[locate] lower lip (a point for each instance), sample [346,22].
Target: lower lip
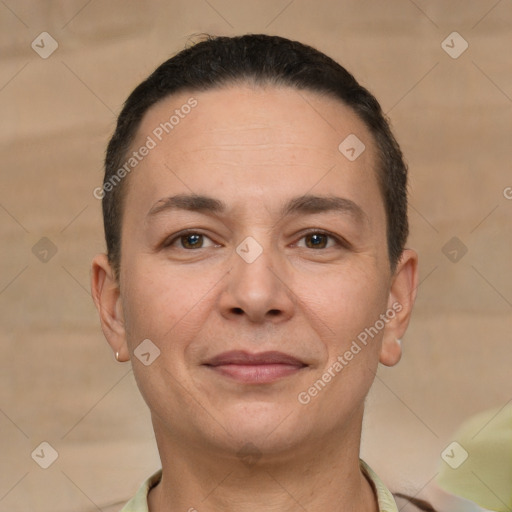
[257,373]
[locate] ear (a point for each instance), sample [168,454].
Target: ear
[107,298]
[402,295]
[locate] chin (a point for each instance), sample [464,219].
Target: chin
[266,427]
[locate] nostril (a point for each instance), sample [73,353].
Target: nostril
[238,311]
[274,312]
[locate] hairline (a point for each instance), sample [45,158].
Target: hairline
[256,82]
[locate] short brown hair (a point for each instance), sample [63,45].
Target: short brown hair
[262,59]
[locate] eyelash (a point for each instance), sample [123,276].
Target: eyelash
[340,242]
[168,242]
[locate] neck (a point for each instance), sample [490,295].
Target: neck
[320,476]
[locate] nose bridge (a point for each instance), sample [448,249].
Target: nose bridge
[255,286]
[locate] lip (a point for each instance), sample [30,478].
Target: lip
[260,368]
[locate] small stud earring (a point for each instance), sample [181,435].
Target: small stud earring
[117,356]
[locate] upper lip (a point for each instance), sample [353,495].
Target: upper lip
[240,357]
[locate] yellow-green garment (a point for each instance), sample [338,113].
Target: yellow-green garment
[386,501]
[485,477]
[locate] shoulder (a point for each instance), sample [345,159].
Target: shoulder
[410,503]
[389,502]
[139,503]
[384,497]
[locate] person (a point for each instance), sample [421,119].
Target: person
[255,215]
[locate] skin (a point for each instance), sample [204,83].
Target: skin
[255,149]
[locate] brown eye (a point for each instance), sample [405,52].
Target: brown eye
[188,240]
[192,241]
[316,240]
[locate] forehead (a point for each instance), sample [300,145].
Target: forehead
[245,140]
[256,113]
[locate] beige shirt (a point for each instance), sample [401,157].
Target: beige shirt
[384,497]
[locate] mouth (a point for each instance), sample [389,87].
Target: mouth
[261,368]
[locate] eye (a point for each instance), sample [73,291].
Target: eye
[318,240]
[190,240]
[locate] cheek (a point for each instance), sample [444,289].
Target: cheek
[345,301]
[168,307]
[164,304]
[344,306]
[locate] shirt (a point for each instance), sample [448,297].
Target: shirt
[384,497]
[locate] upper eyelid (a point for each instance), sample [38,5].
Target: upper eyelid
[337,238]
[169,240]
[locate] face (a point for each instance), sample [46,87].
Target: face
[254,259]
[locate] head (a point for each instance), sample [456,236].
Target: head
[244,230]
[264,60]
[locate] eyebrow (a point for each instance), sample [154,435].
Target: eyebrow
[191,202]
[307,204]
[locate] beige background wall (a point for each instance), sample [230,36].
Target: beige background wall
[59,381]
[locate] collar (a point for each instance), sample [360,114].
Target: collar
[384,497]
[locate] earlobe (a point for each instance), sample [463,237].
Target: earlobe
[106,296]
[401,299]
[391,352]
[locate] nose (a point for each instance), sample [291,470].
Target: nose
[257,291]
